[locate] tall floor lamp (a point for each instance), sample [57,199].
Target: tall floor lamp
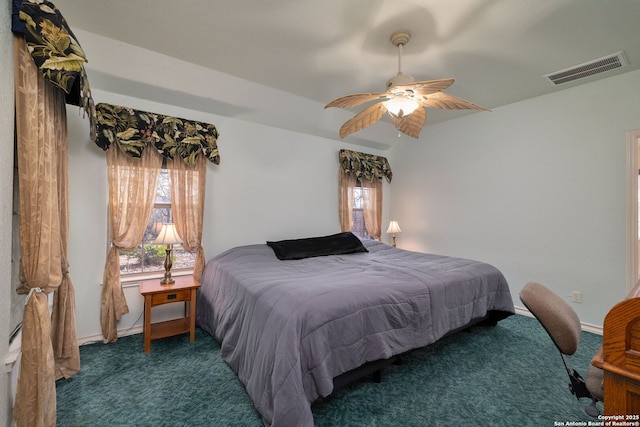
[393,229]
[167,236]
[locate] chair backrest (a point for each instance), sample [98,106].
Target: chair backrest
[555,315]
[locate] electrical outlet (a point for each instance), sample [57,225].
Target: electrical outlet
[576,296]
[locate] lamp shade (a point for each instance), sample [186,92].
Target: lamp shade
[393,227]
[167,235]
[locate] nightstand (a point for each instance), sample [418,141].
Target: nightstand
[184,289]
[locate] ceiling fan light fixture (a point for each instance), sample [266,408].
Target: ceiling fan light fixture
[405,100]
[400,79]
[400,106]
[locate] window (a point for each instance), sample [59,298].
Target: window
[360,193]
[147,257]
[358,228]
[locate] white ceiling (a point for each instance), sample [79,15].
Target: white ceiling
[496,50]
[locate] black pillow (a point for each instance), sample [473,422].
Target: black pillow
[335,244]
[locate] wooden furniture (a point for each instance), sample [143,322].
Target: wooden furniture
[621,360]
[184,289]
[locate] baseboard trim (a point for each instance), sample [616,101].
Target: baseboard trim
[121,333]
[14,349]
[587,327]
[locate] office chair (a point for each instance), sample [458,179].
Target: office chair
[563,326]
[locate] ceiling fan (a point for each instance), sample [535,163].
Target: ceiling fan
[405,100]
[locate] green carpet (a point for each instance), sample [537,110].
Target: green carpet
[508,375]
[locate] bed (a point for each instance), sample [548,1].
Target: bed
[289,327]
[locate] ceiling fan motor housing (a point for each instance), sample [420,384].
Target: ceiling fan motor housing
[400,79]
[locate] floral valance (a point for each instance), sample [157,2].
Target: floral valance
[54,49]
[133,130]
[365,166]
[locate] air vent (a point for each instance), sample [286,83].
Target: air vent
[591,68]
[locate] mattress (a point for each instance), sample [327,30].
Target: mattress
[287,328]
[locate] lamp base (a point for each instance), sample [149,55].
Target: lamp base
[167,268]
[167,281]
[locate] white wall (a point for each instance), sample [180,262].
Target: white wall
[536,188]
[271,184]
[6,196]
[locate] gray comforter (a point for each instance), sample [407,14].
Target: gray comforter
[289,327]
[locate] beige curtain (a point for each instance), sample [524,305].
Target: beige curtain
[372,203]
[132,191]
[35,403]
[372,207]
[41,132]
[187,205]
[64,333]
[63,322]
[346,182]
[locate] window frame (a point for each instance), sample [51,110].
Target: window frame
[137,276]
[361,233]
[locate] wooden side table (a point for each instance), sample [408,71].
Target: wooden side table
[184,289]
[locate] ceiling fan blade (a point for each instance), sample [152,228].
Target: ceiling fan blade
[356,99]
[363,119]
[448,102]
[426,87]
[412,124]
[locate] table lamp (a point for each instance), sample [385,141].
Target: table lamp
[167,236]
[393,229]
